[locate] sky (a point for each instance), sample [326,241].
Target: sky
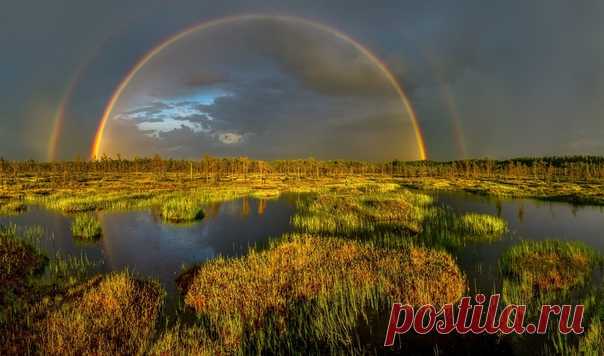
[499,79]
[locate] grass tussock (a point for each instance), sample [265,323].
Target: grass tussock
[86,227]
[544,268]
[115,317]
[360,214]
[383,215]
[309,289]
[181,209]
[481,225]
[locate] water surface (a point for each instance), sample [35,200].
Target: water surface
[528,219]
[140,242]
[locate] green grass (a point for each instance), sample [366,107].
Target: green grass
[351,213]
[481,225]
[86,227]
[186,340]
[381,216]
[545,269]
[12,208]
[526,187]
[117,315]
[362,243]
[20,263]
[308,290]
[181,209]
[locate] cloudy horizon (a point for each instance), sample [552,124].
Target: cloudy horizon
[503,80]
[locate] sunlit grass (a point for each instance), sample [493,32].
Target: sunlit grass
[186,340]
[86,227]
[312,289]
[12,208]
[353,213]
[481,224]
[181,209]
[542,269]
[117,316]
[518,187]
[383,215]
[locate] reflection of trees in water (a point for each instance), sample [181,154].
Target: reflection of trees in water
[521,212]
[212,209]
[261,206]
[245,206]
[498,207]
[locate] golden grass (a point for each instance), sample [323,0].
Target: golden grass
[326,281]
[12,207]
[86,226]
[116,317]
[481,224]
[567,191]
[543,268]
[353,213]
[181,209]
[185,340]
[593,341]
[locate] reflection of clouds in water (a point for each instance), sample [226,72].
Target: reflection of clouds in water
[140,242]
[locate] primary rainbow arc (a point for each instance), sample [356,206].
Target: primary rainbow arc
[98,140]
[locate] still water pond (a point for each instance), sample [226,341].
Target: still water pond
[140,242]
[528,219]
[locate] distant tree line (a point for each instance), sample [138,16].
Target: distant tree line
[575,168]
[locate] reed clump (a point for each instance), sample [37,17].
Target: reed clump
[481,224]
[181,209]
[86,227]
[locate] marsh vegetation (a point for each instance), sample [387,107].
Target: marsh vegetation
[361,241]
[86,226]
[312,291]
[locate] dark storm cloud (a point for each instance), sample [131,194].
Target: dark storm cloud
[201,79]
[318,63]
[526,77]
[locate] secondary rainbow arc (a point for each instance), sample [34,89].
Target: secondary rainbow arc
[98,140]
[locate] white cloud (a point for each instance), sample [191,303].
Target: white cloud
[230,138]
